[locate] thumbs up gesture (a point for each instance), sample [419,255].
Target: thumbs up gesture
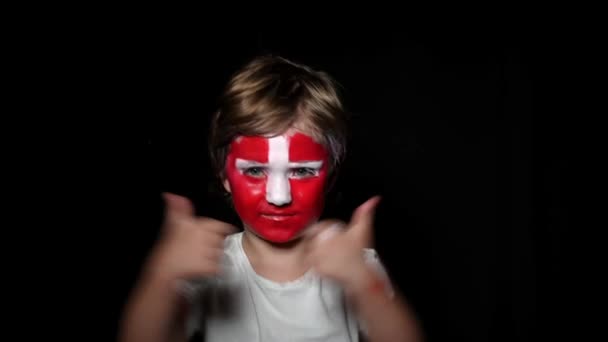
[190,246]
[335,249]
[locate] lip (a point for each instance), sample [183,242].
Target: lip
[278,216]
[277,213]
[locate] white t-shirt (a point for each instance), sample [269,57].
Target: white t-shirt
[243,306]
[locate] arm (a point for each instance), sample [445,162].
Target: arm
[191,247]
[338,254]
[386,316]
[154,313]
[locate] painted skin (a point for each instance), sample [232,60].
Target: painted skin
[277,183]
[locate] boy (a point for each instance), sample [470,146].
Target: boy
[276,143]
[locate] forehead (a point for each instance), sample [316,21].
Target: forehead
[298,146]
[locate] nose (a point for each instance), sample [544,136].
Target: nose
[278,191]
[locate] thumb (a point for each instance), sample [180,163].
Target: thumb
[177,207]
[323,230]
[362,220]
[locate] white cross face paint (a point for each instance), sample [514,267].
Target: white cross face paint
[278,170]
[278,191]
[277,183]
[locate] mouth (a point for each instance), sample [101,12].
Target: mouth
[278,216]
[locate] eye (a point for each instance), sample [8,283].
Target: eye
[254,172]
[304,172]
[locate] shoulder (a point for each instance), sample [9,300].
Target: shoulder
[193,288]
[232,242]
[372,259]
[370,254]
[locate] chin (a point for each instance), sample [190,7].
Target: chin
[279,237]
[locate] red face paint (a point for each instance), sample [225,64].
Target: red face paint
[277,184]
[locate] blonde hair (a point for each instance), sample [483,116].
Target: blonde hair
[270,95]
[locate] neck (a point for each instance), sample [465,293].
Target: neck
[275,261]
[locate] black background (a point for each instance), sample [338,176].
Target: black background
[450,126]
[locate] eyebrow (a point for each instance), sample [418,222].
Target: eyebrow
[244,163]
[308,164]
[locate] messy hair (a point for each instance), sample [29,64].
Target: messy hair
[270,95]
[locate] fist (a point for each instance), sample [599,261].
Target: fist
[190,246]
[335,248]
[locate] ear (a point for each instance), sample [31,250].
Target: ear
[226,185]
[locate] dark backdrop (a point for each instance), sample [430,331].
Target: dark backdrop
[448,126]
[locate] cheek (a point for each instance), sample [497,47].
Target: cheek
[245,191]
[309,194]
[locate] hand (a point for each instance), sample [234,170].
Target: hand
[190,246]
[335,248]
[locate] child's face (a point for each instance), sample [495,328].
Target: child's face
[277,184]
